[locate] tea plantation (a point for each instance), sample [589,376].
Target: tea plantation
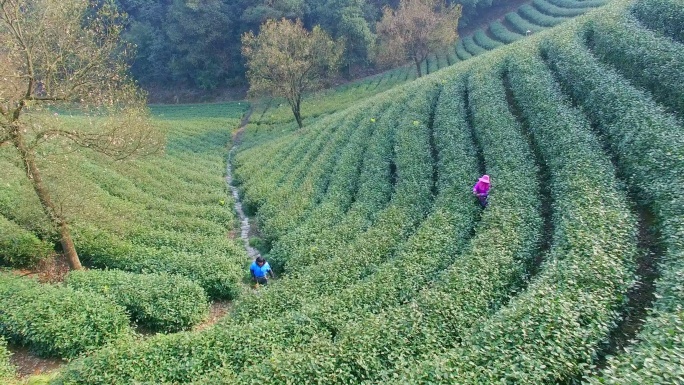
[388,269]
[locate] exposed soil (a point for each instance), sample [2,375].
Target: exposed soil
[217,311]
[28,364]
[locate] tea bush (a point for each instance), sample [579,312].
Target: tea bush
[19,247]
[7,370]
[159,302]
[58,321]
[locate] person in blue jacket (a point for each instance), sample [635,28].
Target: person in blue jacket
[260,271]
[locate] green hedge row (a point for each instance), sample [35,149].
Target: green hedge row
[217,269]
[480,38]
[338,196]
[550,332]
[288,199]
[439,239]
[254,190]
[504,34]
[410,202]
[648,149]
[664,16]
[288,205]
[159,302]
[365,348]
[370,192]
[578,3]
[547,8]
[647,59]
[471,46]
[57,321]
[521,25]
[7,370]
[20,248]
[461,52]
[530,13]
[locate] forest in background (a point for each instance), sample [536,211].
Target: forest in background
[194,45]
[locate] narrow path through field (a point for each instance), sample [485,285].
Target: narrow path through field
[244,220]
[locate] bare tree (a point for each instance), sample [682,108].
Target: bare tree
[416,29]
[66,54]
[286,60]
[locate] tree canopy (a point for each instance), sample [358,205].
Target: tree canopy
[286,60]
[416,29]
[195,44]
[67,55]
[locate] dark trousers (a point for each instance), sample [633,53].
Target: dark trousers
[261,280]
[483,200]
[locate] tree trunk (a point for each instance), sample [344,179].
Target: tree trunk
[296,110]
[415,60]
[32,172]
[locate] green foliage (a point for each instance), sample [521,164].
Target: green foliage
[159,302]
[286,60]
[664,16]
[20,248]
[385,280]
[484,41]
[215,267]
[644,57]
[645,142]
[7,371]
[504,34]
[57,321]
[530,13]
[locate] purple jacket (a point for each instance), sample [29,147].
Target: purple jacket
[481,188]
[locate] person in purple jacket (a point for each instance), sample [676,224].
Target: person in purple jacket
[481,189]
[260,271]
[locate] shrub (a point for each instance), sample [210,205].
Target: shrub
[20,248]
[217,267]
[160,302]
[664,16]
[57,321]
[7,371]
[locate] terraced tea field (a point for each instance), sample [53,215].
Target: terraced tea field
[389,270]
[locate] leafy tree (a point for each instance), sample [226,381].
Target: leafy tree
[200,33]
[286,60]
[66,54]
[347,20]
[416,29]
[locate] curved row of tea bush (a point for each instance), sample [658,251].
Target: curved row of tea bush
[286,206]
[578,3]
[488,270]
[370,193]
[338,195]
[255,190]
[217,269]
[480,38]
[647,59]
[532,15]
[665,16]
[19,247]
[648,147]
[159,302]
[57,321]
[503,34]
[521,25]
[409,204]
[551,331]
[550,9]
